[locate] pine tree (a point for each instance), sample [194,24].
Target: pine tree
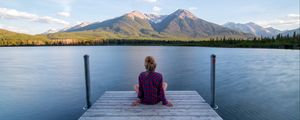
[294,35]
[278,37]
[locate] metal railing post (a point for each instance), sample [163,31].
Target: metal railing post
[213,82]
[87,80]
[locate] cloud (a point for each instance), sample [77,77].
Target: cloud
[192,8]
[288,21]
[63,14]
[156,10]
[66,4]
[294,15]
[150,1]
[14,14]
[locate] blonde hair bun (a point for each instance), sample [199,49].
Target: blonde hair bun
[150,64]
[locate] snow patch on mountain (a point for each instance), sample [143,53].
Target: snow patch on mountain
[155,18]
[253,29]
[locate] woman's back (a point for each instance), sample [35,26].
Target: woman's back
[151,89]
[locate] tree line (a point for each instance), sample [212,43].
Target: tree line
[279,41]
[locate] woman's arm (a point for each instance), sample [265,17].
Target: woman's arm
[162,94]
[140,93]
[161,91]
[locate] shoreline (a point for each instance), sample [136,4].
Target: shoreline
[279,43]
[147,46]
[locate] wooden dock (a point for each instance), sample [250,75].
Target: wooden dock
[116,105]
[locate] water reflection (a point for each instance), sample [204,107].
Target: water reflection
[48,82]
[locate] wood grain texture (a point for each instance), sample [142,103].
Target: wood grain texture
[116,105]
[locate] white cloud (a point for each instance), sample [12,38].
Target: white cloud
[63,14]
[14,14]
[78,22]
[287,22]
[66,4]
[150,1]
[294,15]
[192,8]
[156,10]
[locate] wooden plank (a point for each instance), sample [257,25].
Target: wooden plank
[167,97]
[178,104]
[149,112]
[172,95]
[116,105]
[130,101]
[202,106]
[154,118]
[168,92]
[134,98]
[135,95]
[190,113]
[138,110]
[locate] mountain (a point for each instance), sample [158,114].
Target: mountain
[9,34]
[273,30]
[51,31]
[132,24]
[14,37]
[183,23]
[253,29]
[67,29]
[179,24]
[83,24]
[291,32]
[155,18]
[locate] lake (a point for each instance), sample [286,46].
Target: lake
[47,83]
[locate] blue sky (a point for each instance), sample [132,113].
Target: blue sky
[37,16]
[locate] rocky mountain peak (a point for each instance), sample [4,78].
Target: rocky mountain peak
[182,13]
[82,24]
[136,14]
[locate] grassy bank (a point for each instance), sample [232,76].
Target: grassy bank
[15,39]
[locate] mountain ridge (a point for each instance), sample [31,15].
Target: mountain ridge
[253,28]
[179,24]
[291,32]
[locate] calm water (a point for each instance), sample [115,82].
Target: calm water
[47,83]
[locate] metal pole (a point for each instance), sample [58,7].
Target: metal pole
[87,80]
[213,82]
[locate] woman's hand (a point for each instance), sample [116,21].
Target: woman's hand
[136,102]
[169,104]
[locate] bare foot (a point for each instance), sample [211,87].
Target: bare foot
[169,104]
[136,103]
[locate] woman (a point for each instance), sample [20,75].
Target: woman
[151,88]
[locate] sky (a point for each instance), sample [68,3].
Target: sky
[38,16]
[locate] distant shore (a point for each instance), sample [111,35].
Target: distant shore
[11,39]
[267,43]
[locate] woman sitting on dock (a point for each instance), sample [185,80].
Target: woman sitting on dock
[151,88]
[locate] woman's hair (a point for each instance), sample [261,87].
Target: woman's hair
[150,64]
